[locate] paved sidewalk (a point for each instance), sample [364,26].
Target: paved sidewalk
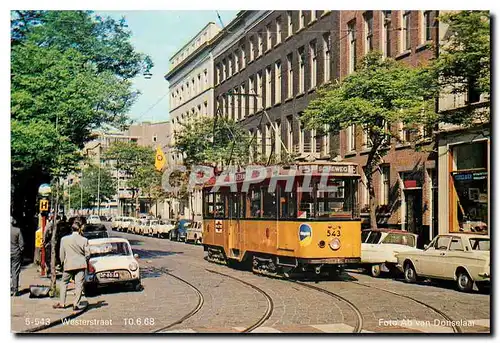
[29,313]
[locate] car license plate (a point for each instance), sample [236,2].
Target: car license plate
[110,275]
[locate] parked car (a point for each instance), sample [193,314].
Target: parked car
[94,219]
[134,225]
[125,224]
[143,227]
[111,262]
[464,258]
[162,228]
[195,232]
[93,231]
[379,248]
[115,223]
[149,227]
[103,218]
[179,233]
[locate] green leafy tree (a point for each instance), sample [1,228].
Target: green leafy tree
[137,162]
[219,142]
[380,93]
[463,65]
[70,74]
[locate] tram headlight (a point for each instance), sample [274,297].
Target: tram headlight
[335,244]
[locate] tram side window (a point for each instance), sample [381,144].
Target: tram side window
[255,196]
[220,209]
[330,204]
[288,204]
[234,205]
[209,205]
[306,207]
[269,204]
[243,205]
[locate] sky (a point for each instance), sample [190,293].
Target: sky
[160,34]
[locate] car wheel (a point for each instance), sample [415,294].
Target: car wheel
[410,273]
[375,270]
[464,281]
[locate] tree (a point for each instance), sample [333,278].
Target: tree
[218,142]
[463,65]
[380,93]
[70,74]
[137,162]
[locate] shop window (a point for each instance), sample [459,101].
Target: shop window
[471,156]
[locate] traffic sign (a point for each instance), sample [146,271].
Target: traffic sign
[44,205]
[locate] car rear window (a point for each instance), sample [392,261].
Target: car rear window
[107,249]
[482,244]
[374,237]
[398,238]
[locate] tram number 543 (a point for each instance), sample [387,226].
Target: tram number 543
[333,232]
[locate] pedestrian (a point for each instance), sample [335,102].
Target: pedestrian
[16,256]
[47,242]
[74,253]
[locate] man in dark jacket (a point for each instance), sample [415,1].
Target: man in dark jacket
[16,257]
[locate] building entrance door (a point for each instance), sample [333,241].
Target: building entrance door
[413,216]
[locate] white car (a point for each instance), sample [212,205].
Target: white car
[464,258]
[94,219]
[162,228]
[125,223]
[379,248]
[195,232]
[111,262]
[148,227]
[115,223]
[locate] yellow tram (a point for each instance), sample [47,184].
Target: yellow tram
[307,220]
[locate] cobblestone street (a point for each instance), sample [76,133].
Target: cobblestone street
[229,305]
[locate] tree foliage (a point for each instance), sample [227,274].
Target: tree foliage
[382,92]
[464,64]
[218,142]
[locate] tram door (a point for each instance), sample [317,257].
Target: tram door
[234,240]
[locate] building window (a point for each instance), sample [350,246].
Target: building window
[236,62]
[259,143]
[243,57]
[230,65]
[313,64]
[205,108]
[289,23]
[313,16]
[217,74]
[289,92]
[205,79]
[224,71]
[237,106]
[302,19]
[302,63]
[268,37]
[259,44]
[351,138]
[223,105]
[427,26]
[326,141]
[278,30]
[155,138]
[268,142]
[367,143]
[351,28]
[326,58]
[268,86]
[406,39]
[259,91]
[385,185]
[251,99]
[368,31]
[469,187]
[243,109]
[289,133]
[386,33]
[277,82]
[404,133]
[252,47]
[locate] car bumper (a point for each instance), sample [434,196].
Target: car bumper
[95,280]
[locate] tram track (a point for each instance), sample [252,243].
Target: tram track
[270,304]
[455,328]
[196,309]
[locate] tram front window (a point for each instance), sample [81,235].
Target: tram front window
[336,201]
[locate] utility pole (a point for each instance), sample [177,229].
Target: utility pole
[99,183]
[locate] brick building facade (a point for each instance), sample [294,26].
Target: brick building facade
[283,56]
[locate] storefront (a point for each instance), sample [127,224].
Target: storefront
[464,182]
